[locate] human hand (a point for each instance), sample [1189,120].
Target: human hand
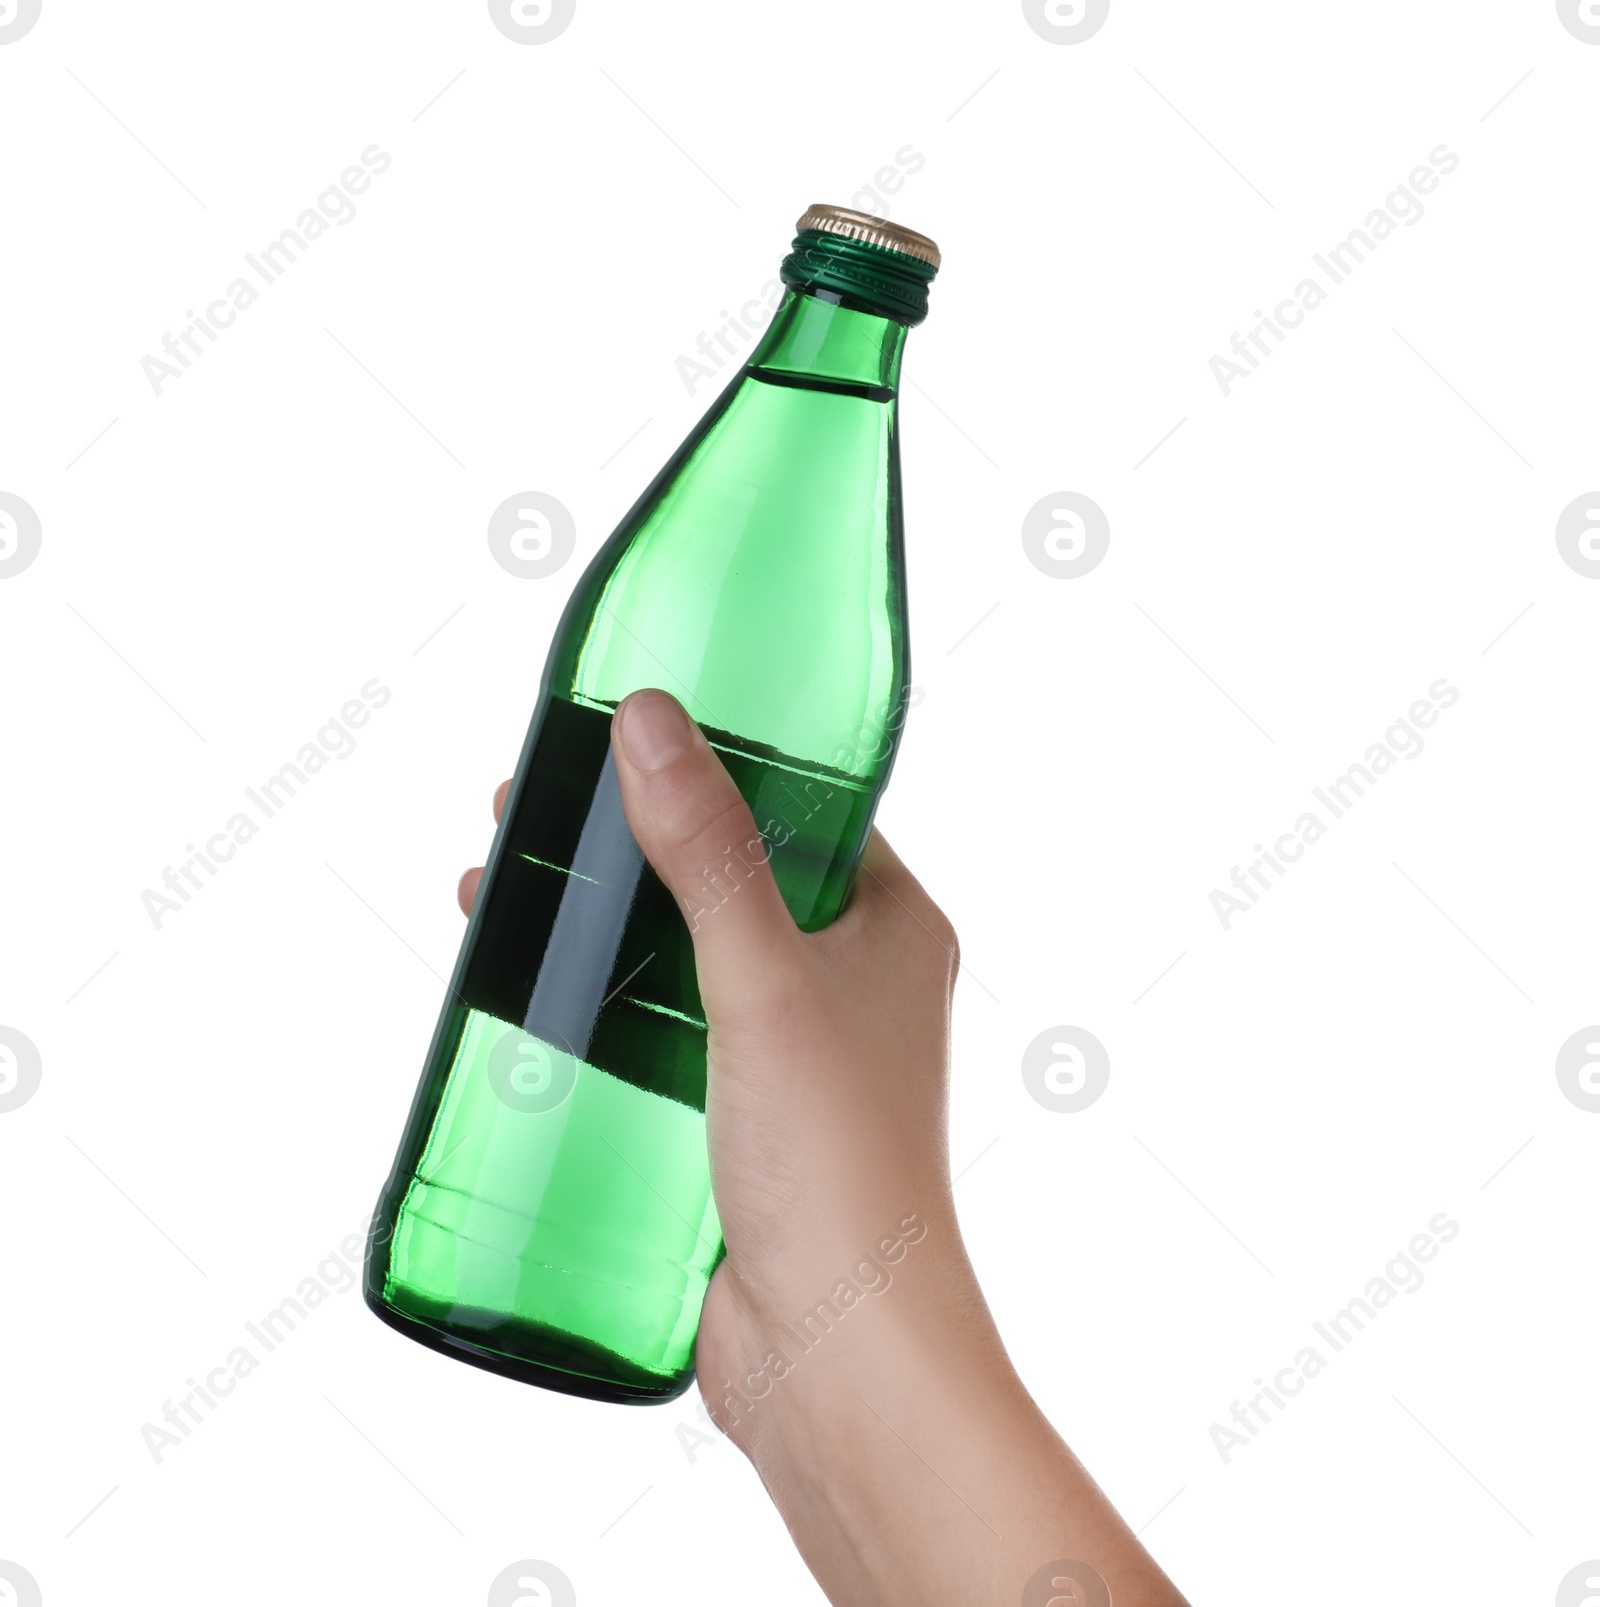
[873,1422]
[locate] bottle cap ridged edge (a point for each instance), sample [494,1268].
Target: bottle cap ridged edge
[841,220]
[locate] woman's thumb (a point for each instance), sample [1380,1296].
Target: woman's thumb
[701,839]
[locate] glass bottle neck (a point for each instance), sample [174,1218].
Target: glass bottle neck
[814,334]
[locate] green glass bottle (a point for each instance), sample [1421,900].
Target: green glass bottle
[549,1215]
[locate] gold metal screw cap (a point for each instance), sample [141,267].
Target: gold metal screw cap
[841,220]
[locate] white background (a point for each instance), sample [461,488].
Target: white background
[1290,569]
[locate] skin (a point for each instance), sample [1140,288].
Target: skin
[904,1454]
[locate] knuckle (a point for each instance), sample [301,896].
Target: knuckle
[943,932]
[713,838]
[933,920]
[714,853]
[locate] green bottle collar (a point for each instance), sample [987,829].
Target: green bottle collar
[867,277]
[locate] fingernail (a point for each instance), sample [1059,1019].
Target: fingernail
[654,730]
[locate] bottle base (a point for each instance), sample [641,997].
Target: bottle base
[569,1365]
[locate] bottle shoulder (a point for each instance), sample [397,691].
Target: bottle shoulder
[760,578]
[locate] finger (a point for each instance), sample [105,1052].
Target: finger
[467,889]
[698,834]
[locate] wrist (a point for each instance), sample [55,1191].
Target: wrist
[902,1420]
[805,1366]
[895,1437]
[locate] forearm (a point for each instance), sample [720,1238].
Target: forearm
[912,1467]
